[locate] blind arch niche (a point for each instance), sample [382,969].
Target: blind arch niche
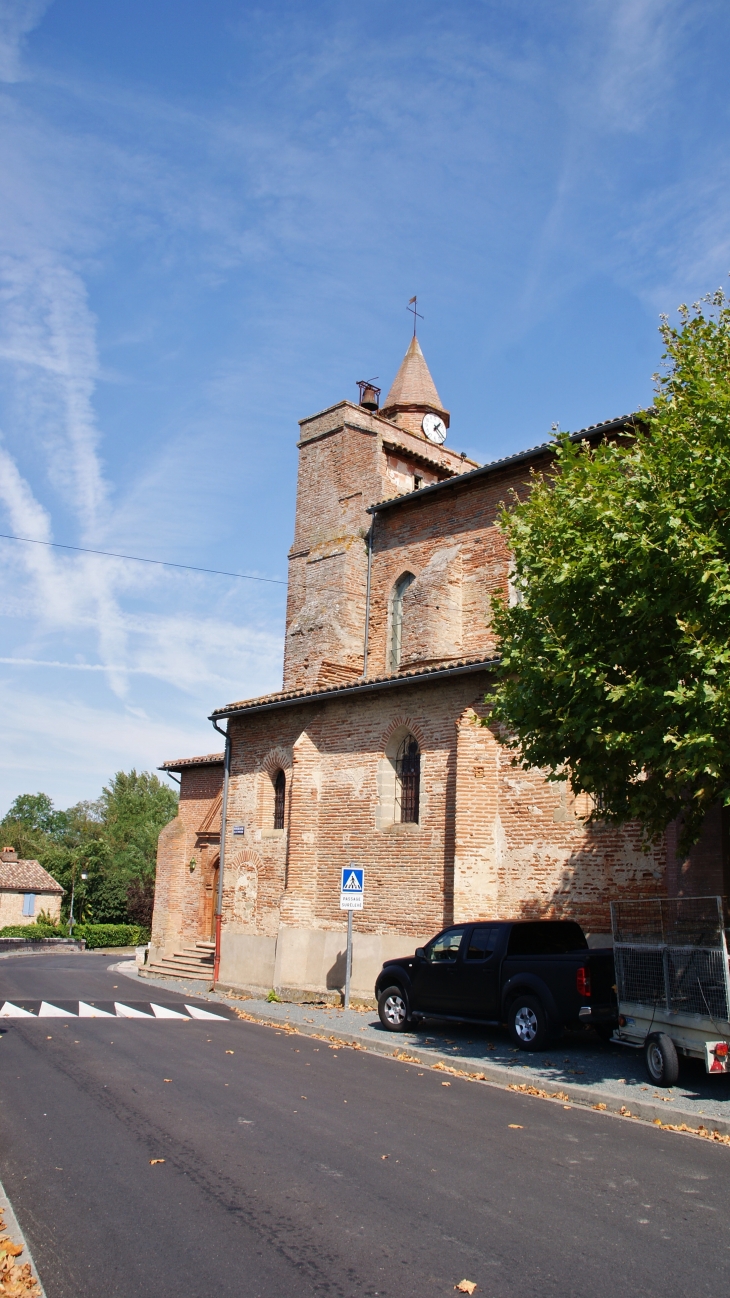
[395,648]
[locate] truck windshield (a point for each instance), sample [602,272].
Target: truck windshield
[546,937]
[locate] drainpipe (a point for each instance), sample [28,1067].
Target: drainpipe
[222,856]
[367,601]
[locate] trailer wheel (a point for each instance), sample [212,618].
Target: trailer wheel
[661,1060]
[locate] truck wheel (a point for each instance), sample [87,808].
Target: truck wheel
[393,1009]
[528,1023]
[661,1060]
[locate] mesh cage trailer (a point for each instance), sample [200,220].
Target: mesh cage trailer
[673,981]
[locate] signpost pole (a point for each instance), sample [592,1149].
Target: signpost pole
[348,966]
[352,887]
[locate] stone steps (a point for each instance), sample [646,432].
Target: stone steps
[192,962]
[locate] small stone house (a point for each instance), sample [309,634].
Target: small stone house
[26,889]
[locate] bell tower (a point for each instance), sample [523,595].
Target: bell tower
[351,456]
[413,395]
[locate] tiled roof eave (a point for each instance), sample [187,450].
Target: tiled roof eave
[509,461]
[292,697]
[184,763]
[28,875]
[38,889]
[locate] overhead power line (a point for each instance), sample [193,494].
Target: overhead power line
[136,558]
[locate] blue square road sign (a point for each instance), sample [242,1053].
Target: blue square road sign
[352,887]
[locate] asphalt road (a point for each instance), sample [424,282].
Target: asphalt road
[291,1168]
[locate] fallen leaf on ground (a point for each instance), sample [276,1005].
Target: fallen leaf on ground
[156,1160]
[446,1083]
[167,1079]
[465,1286]
[385,1155]
[229,1052]
[599,1106]
[515,1126]
[7,1246]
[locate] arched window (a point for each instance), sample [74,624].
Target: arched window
[279,799]
[396,618]
[407,780]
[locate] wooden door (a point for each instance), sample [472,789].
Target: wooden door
[211,893]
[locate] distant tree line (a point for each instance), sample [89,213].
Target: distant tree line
[113,841]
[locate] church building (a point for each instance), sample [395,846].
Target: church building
[374,751]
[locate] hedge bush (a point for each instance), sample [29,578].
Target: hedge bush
[33,932]
[112,934]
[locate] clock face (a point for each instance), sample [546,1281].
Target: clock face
[434,428]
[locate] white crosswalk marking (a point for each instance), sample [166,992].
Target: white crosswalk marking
[162,1012]
[151,1011]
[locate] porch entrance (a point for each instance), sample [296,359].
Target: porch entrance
[209,900]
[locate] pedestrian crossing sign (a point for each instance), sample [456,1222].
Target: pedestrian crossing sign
[352,887]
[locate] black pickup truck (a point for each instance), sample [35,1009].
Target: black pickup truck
[538,976]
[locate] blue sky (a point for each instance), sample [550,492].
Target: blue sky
[213,217]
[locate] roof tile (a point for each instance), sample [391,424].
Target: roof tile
[26,876]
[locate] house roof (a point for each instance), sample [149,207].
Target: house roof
[287,698]
[26,876]
[591,433]
[182,763]
[413,385]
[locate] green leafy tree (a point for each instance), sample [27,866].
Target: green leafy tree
[135,807]
[112,841]
[616,655]
[30,823]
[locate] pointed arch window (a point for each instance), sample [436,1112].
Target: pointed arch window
[407,781]
[396,618]
[279,799]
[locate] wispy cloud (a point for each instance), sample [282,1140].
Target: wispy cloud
[17,19]
[189,262]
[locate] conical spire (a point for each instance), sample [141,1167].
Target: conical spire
[413,391]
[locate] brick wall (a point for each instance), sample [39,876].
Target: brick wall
[348,460]
[492,840]
[184,897]
[451,543]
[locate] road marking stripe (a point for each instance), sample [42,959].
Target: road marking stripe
[49,1011]
[162,1012]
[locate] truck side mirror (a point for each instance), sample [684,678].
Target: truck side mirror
[420,953]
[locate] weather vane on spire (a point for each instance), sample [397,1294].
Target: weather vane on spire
[413,308]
